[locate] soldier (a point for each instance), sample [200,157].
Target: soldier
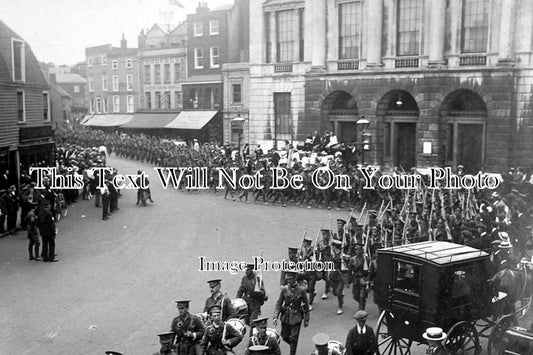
[188,330]
[262,343]
[307,253]
[252,290]
[343,235]
[358,273]
[321,344]
[219,337]
[219,299]
[293,256]
[292,308]
[324,255]
[340,276]
[361,339]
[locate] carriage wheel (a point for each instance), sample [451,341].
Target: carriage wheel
[462,339]
[388,342]
[496,344]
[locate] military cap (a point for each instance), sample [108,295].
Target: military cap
[504,244]
[460,166]
[293,250]
[250,265]
[184,303]
[321,339]
[336,242]
[360,315]
[164,338]
[215,309]
[214,282]
[307,240]
[260,321]
[342,221]
[503,235]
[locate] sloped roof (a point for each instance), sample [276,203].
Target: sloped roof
[70,79]
[60,90]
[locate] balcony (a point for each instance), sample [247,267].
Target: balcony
[348,65]
[283,68]
[407,62]
[472,60]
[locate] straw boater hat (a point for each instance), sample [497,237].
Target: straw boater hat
[434,333]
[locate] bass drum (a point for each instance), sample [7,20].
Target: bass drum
[238,325]
[241,308]
[272,333]
[336,348]
[204,317]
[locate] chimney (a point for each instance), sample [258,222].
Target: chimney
[123,42]
[202,8]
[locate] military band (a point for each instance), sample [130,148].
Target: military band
[252,291]
[217,298]
[219,337]
[262,342]
[188,330]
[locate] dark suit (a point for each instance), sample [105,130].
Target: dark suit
[361,344]
[47,228]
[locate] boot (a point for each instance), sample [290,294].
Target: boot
[293,348]
[30,251]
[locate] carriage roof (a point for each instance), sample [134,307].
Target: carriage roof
[438,253]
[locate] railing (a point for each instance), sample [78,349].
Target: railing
[472,60]
[407,62]
[348,65]
[282,68]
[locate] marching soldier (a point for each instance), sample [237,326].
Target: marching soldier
[219,299]
[342,235]
[340,276]
[219,337]
[321,344]
[358,273]
[306,252]
[188,330]
[252,290]
[324,255]
[293,256]
[292,308]
[262,343]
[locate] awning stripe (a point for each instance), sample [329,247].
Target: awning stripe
[192,119]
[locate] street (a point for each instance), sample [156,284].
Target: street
[116,281]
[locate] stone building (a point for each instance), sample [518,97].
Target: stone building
[442,82]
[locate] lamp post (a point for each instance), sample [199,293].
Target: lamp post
[363,124]
[238,125]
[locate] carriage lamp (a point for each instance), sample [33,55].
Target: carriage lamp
[363,124]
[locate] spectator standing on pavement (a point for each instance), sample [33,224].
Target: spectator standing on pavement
[33,235]
[47,228]
[104,191]
[361,339]
[12,208]
[2,212]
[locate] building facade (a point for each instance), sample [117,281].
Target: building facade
[441,82]
[26,137]
[76,87]
[112,79]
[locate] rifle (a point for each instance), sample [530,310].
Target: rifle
[300,252]
[260,276]
[316,243]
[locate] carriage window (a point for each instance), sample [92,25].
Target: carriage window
[462,283]
[407,277]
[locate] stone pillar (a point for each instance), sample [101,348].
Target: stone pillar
[375,30]
[508,21]
[318,30]
[436,33]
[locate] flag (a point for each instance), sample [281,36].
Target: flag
[175,3]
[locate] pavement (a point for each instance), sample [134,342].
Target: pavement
[116,281]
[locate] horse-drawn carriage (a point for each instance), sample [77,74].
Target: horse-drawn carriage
[438,284]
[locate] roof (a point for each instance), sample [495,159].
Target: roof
[150,120]
[70,79]
[440,253]
[109,120]
[191,119]
[61,91]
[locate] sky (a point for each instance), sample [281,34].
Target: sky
[58,31]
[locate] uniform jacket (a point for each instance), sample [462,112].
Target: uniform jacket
[292,305]
[223,301]
[361,344]
[247,291]
[181,325]
[212,340]
[273,346]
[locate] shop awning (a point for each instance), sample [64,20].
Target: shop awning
[108,120]
[192,119]
[150,120]
[86,118]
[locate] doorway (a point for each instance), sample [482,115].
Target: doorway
[405,149]
[469,147]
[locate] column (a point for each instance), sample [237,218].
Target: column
[436,33]
[375,30]
[318,30]
[508,20]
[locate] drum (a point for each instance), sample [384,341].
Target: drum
[204,317]
[240,306]
[336,348]
[272,333]
[238,325]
